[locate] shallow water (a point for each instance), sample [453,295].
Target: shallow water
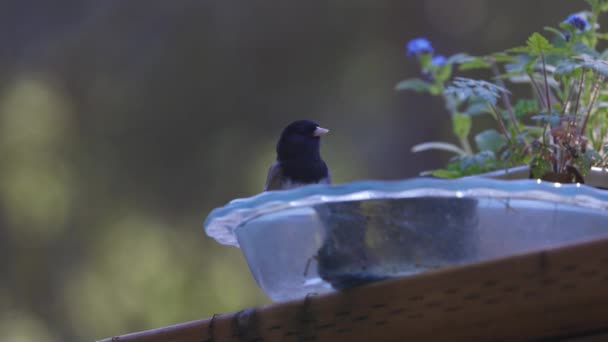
[347,243]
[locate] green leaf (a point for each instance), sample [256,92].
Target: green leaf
[552,119]
[461,124]
[534,130]
[555,31]
[502,57]
[540,167]
[490,140]
[438,145]
[475,63]
[519,49]
[581,48]
[481,162]
[525,106]
[521,65]
[466,89]
[443,74]
[521,136]
[538,44]
[414,84]
[596,64]
[443,173]
[566,67]
[593,3]
[477,106]
[459,58]
[478,163]
[436,89]
[568,27]
[587,160]
[425,60]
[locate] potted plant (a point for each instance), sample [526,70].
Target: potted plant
[350,234]
[558,134]
[560,131]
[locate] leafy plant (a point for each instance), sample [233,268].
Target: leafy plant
[561,131]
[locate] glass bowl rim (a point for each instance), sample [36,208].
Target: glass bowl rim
[222,222]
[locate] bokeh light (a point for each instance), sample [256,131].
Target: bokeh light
[122,124]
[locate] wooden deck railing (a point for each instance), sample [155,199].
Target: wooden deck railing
[546,295]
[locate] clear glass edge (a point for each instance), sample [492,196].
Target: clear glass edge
[221,222]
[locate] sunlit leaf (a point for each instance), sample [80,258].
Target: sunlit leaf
[476,63]
[502,57]
[461,124]
[443,173]
[538,44]
[444,73]
[414,84]
[438,145]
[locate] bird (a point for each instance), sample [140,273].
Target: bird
[298,161]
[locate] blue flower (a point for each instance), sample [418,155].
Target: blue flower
[578,21]
[438,60]
[419,45]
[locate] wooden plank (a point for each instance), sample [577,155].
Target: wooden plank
[556,292]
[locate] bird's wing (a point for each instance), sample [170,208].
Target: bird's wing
[326,179]
[274,181]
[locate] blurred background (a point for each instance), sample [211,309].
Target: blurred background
[123,123]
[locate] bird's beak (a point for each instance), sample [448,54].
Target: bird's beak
[320,131]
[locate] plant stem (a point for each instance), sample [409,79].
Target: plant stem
[580,91]
[542,58]
[466,146]
[594,95]
[603,162]
[568,102]
[507,102]
[602,136]
[545,134]
[505,97]
[501,124]
[539,94]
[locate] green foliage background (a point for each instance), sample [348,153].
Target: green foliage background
[123,123]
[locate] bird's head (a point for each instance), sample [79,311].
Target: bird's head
[300,139]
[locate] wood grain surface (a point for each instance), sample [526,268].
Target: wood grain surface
[549,295]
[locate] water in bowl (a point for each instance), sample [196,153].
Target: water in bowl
[337,245]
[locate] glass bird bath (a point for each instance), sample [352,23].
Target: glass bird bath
[321,238]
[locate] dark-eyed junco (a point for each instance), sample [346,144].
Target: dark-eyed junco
[298,157]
